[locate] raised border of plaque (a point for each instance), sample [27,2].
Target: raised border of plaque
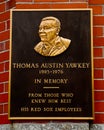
[51,64]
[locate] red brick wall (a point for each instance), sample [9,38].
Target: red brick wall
[98,28]
[4,59]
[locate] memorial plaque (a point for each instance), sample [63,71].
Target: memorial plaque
[51,65]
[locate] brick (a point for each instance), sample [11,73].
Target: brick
[4,77]
[6,66]
[7,45]
[96,1]
[4,35]
[4,56]
[2,0]
[99,84]
[33,6]
[4,119]
[3,98]
[6,87]
[98,20]
[96,9]
[97,31]
[5,108]
[2,26]
[99,95]
[99,106]
[78,0]
[2,46]
[98,52]
[10,4]
[8,24]
[99,118]
[74,5]
[99,41]
[1,88]
[98,74]
[1,67]
[44,6]
[24,0]
[2,7]
[99,63]
[1,109]
[4,16]
[51,0]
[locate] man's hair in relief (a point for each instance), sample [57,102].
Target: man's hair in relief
[57,22]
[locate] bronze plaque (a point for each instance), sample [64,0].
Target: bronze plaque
[51,67]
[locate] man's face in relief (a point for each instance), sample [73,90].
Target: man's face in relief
[47,30]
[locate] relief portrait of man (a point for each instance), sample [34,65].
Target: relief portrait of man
[51,43]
